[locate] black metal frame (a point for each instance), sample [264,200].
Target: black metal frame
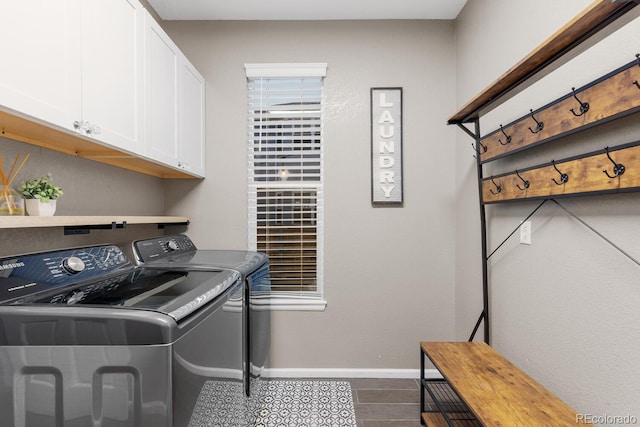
[72,230]
[484,316]
[445,398]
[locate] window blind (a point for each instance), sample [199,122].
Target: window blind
[285,156]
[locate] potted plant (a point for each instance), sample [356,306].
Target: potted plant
[40,196]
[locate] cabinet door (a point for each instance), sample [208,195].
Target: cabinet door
[40,72]
[192,126]
[162,60]
[112,72]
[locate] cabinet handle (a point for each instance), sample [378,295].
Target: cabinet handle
[86,127]
[80,125]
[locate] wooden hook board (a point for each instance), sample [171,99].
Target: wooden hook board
[585,176]
[612,96]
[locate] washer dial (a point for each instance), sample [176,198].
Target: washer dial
[73,265]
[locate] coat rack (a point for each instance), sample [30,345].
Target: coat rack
[612,96]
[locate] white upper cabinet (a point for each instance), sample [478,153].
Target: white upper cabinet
[76,64]
[175,104]
[40,73]
[106,70]
[192,120]
[113,72]
[162,60]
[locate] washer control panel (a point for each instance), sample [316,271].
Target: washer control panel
[26,275]
[164,248]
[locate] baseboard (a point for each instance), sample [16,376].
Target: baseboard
[347,373]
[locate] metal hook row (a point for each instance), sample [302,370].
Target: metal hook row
[539,125]
[618,170]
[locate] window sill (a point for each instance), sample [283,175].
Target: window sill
[296,304]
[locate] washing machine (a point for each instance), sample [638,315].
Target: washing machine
[87,338]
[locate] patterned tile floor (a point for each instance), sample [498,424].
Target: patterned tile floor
[308,403]
[382,402]
[313,402]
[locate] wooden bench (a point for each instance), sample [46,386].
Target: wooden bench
[494,391]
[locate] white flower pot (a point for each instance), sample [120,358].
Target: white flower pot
[36,207]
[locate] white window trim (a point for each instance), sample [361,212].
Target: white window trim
[286,70]
[315,301]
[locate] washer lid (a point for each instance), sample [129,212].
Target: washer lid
[176,293]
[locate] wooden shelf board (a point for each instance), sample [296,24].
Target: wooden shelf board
[18,128]
[78,221]
[594,18]
[434,419]
[496,391]
[585,174]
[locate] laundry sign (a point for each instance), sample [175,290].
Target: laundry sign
[386,145]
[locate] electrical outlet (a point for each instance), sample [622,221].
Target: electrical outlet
[525,233]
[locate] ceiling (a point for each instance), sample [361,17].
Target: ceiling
[306,9]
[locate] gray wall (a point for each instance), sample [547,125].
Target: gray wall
[564,309]
[90,188]
[388,271]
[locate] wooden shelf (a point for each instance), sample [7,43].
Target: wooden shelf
[86,221]
[434,419]
[495,390]
[599,15]
[21,129]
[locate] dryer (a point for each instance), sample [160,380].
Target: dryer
[180,251]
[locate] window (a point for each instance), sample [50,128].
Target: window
[285,156]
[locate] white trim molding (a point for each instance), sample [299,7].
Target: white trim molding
[297,304]
[286,70]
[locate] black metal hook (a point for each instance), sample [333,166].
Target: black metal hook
[508,140]
[564,178]
[484,147]
[498,187]
[618,168]
[539,125]
[584,106]
[524,181]
[635,82]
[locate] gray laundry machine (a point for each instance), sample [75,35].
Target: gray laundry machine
[88,339]
[179,250]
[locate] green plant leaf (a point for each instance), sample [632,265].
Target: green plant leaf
[40,188]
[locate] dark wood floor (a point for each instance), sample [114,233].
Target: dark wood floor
[386,402]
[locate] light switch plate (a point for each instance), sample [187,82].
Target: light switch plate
[525,233]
